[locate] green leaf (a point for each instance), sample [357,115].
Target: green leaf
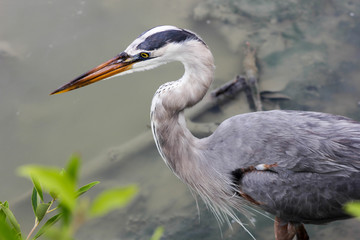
[10,216]
[353,208]
[58,234]
[159,231]
[52,180]
[86,188]
[41,210]
[53,195]
[2,215]
[37,187]
[112,199]
[72,168]
[47,225]
[34,199]
[7,232]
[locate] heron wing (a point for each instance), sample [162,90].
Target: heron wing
[317,157]
[297,141]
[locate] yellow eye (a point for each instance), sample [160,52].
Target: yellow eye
[144,55]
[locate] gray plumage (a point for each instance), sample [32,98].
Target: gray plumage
[318,158]
[300,166]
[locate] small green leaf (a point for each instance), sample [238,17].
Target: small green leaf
[159,231]
[6,231]
[53,195]
[47,225]
[34,199]
[10,216]
[112,199]
[72,168]
[86,188]
[353,208]
[41,210]
[2,215]
[37,187]
[54,181]
[58,234]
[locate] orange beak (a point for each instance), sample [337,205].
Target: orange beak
[118,64]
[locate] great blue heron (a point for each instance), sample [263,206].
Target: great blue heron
[300,166]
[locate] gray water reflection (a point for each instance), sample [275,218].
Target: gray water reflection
[308,50]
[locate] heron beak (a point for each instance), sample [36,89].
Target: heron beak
[106,70]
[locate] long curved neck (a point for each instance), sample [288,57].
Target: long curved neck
[175,142]
[184,154]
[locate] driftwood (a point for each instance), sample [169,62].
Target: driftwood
[251,73]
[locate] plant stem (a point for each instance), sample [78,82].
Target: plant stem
[51,203]
[51,210]
[33,229]
[37,222]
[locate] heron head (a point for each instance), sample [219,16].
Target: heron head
[151,49]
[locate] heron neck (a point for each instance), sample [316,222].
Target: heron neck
[176,144]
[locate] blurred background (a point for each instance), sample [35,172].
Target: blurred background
[307,50]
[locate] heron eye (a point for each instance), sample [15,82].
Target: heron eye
[144,55]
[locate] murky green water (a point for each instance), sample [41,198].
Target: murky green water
[309,50]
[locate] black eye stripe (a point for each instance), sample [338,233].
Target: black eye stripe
[160,39]
[123,55]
